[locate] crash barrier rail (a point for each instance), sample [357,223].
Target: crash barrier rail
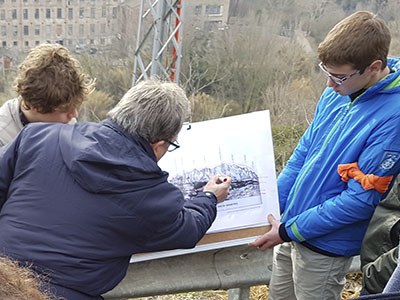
[235,269]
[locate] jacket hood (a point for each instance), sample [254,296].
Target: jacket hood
[102,158]
[392,81]
[388,85]
[393,63]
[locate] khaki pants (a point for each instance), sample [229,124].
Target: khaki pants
[301,274]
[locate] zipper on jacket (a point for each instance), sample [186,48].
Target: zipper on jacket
[296,187]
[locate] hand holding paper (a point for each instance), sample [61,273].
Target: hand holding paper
[270,238]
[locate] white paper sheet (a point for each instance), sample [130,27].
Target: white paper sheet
[238,146]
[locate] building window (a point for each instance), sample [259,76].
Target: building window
[70,30]
[102,41]
[81,12]
[37,29]
[92,29]
[214,10]
[25,14]
[26,44]
[26,30]
[4,44]
[103,28]
[15,30]
[14,14]
[2,14]
[211,26]
[37,13]
[48,30]
[37,43]
[81,29]
[3,30]
[15,43]
[48,13]
[59,13]
[197,10]
[93,12]
[103,12]
[114,12]
[1,1]
[59,30]
[70,13]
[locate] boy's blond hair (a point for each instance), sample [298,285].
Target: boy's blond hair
[357,40]
[50,78]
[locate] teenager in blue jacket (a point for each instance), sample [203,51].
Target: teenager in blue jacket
[343,166]
[78,200]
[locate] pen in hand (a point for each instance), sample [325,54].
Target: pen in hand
[222,179]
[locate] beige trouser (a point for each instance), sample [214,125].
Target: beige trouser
[301,274]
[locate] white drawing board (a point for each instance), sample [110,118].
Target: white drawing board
[238,146]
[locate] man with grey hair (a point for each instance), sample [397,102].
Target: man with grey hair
[78,200]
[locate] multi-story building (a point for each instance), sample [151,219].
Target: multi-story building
[206,15]
[74,23]
[91,24]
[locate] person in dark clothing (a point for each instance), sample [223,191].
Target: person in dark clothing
[380,247]
[77,200]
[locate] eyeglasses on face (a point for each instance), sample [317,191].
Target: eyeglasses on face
[172,146]
[339,80]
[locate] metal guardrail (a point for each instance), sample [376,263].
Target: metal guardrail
[235,269]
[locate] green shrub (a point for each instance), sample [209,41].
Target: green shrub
[285,139]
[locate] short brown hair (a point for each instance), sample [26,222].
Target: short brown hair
[357,40]
[50,78]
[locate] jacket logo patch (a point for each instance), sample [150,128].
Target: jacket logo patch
[389,160]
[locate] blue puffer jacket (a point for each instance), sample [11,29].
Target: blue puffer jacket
[320,209]
[80,199]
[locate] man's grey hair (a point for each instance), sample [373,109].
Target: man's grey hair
[152,109]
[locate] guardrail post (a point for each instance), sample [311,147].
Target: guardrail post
[239,294]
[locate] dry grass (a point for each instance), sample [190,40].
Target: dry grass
[352,290]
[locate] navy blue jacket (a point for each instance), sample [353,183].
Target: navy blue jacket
[78,200]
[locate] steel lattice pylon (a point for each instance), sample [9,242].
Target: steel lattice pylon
[159,40]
